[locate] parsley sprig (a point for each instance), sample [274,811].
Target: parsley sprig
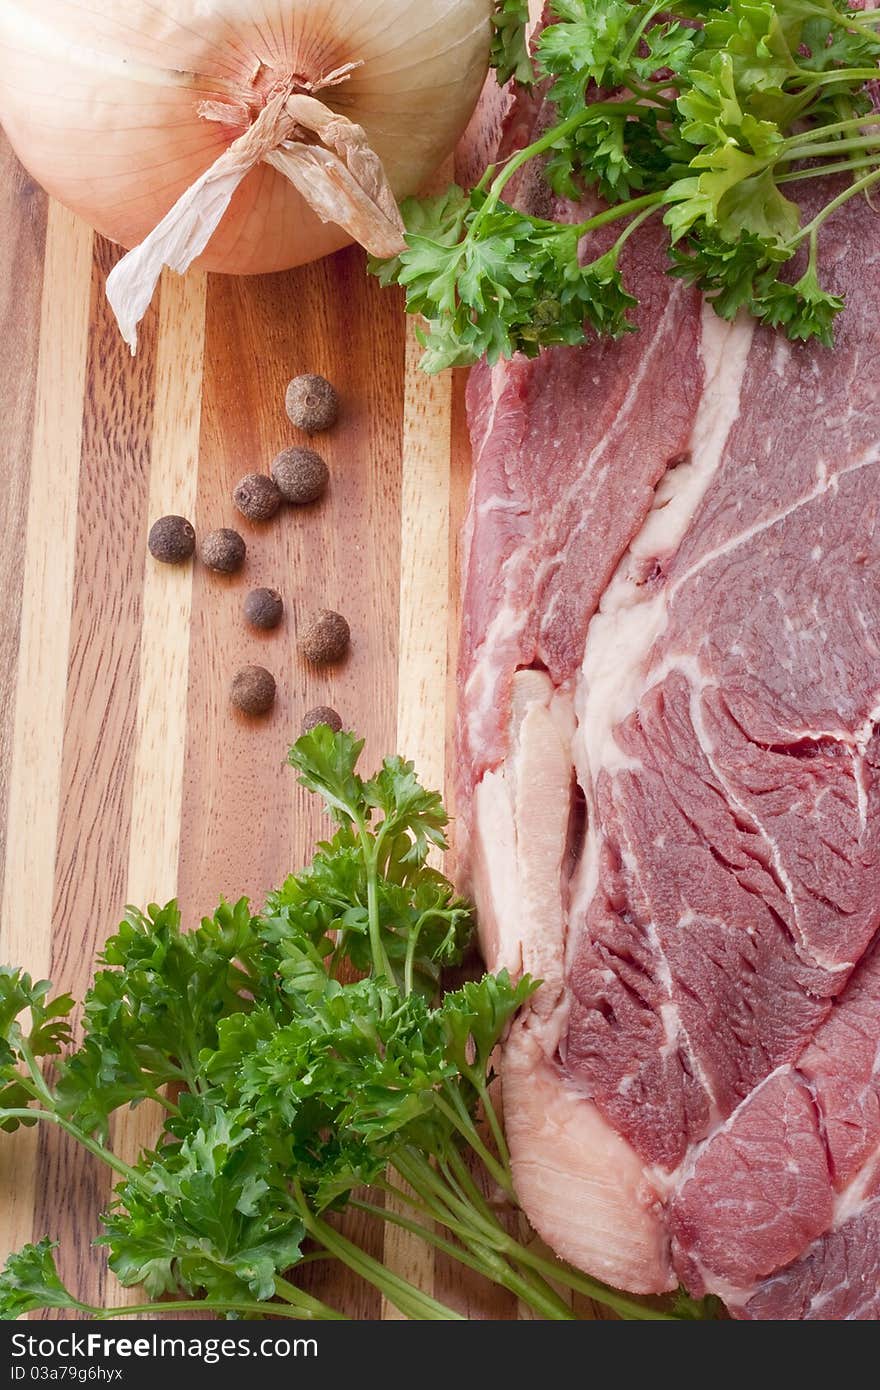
[707,113]
[303,1062]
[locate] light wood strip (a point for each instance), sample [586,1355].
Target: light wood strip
[157,792]
[157,796]
[422,647]
[41,689]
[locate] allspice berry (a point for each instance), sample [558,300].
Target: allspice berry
[257,497]
[223,550]
[171,540]
[253,690]
[321,714]
[312,403]
[300,475]
[263,608]
[326,638]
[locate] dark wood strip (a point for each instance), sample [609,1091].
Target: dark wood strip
[245,822]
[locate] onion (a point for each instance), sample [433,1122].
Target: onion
[249,135]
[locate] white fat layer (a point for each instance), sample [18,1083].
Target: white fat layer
[851,1201]
[632,615]
[865,732]
[480,689]
[521,814]
[825,482]
[493,853]
[583,1186]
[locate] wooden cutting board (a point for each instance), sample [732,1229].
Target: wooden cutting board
[125,776]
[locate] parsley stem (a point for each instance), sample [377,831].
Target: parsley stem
[601,219]
[627,1308]
[471,1216]
[857,187]
[556,1270]
[483,1226]
[410,1301]
[493,1122]
[497,175]
[827,79]
[831,147]
[639,30]
[370,848]
[438,1210]
[437,1191]
[473,1193]
[259,1310]
[540,1297]
[105,1155]
[418,1228]
[842,166]
[851,123]
[411,943]
[38,1087]
[653,92]
[486,1240]
[458,1116]
[298,1298]
[538,147]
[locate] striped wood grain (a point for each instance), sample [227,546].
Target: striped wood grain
[34,789]
[125,774]
[421,652]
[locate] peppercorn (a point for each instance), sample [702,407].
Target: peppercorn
[263,608]
[326,638]
[312,403]
[223,550]
[300,475]
[171,540]
[257,497]
[321,714]
[253,690]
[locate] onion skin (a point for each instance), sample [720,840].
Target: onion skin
[100,102]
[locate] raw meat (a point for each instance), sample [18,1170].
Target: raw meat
[669,695]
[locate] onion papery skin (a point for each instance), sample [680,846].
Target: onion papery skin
[100,101]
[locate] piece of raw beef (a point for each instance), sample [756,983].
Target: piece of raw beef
[669,694]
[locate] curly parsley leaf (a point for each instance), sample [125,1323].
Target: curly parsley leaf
[30,1282]
[152,1011]
[476,1017]
[210,1215]
[509,55]
[21,1046]
[49,1030]
[513,283]
[606,45]
[803,309]
[700,111]
[369,895]
[326,765]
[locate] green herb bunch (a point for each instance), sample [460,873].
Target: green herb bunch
[303,1063]
[711,114]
